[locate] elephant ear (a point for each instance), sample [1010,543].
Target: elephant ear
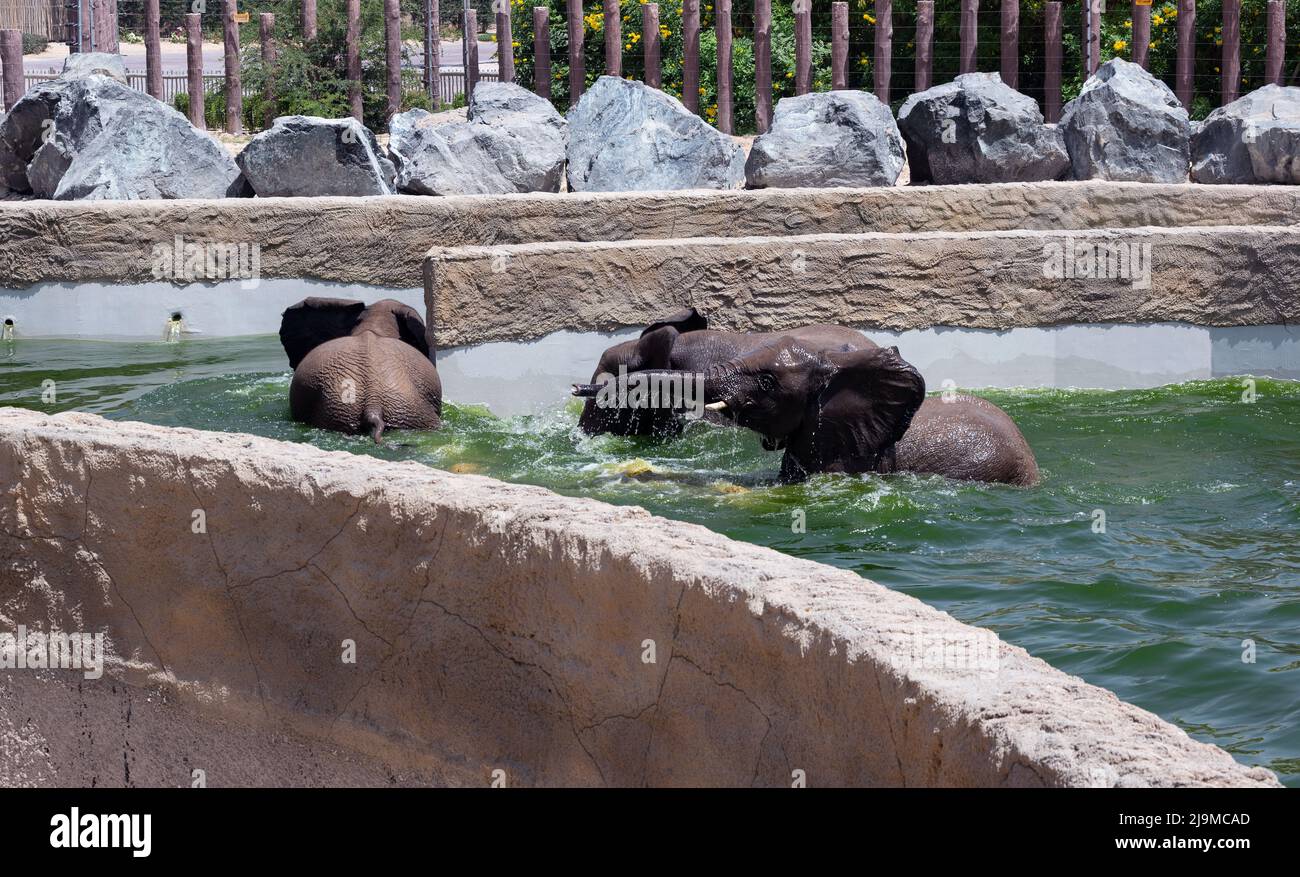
[410,328]
[313,321]
[868,402]
[654,349]
[688,320]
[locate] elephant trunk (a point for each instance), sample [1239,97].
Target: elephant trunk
[373,421]
[670,387]
[717,380]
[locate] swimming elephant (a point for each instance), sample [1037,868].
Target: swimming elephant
[360,369]
[683,342]
[856,407]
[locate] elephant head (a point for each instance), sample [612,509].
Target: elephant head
[360,369]
[652,351]
[831,411]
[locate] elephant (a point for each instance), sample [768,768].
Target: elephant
[361,369]
[683,342]
[840,403]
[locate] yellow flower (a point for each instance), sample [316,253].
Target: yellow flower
[515,44]
[1156,20]
[1120,45]
[1154,43]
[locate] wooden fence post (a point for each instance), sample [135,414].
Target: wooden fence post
[266,33]
[969,36]
[542,51]
[1141,33]
[1183,84]
[1231,64]
[432,53]
[883,61]
[234,91]
[690,55]
[194,67]
[11,63]
[1011,42]
[651,44]
[839,46]
[802,46]
[762,65]
[1052,61]
[393,54]
[471,61]
[924,44]
[309,20]
[152,50]
[577,64]
[722,26]
[1276,54]
[613,27]
[505,49]
[1092,32]
[352,48]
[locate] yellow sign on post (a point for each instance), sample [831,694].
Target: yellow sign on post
[1141,2]
[242,17]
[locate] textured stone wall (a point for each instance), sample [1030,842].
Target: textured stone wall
[1211,276]
[497,627]
[382,241]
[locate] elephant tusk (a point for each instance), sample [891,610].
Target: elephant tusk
[716,406]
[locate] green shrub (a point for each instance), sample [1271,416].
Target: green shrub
[34,44]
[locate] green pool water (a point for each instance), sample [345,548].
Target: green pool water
[1201,492]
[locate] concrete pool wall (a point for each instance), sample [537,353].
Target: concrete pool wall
[381,242]
[502,627]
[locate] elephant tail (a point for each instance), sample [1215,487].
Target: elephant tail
[373,421]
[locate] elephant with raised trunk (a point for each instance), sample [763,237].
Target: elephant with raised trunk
[834,403]
[359,369]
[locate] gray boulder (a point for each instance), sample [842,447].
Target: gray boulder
[625,136]
[513,141]
[978,129]
[153,153]
[1126,125]
[96,63]
[836,138]
[311,156]
[1254,139]
[54,121]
